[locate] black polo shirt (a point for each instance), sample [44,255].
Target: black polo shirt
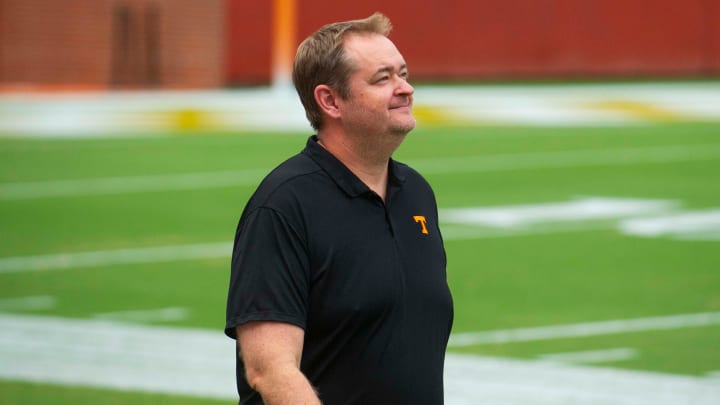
[315,247]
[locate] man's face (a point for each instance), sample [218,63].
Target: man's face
[381,98]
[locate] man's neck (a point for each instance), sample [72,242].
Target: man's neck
[368,162]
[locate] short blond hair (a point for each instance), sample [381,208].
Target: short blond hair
[321,59]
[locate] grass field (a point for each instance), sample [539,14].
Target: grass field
[60,198]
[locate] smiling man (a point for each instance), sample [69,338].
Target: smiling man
[338,292]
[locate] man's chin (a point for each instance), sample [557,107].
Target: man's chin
[403,128]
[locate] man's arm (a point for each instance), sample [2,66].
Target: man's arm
[271,352]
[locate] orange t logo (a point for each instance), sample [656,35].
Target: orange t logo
[423,222]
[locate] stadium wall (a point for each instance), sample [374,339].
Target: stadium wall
[112,43]
[217,43]
[491,39]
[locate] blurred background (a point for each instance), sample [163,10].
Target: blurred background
[573,146]
[170,44]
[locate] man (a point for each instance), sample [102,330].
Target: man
[338,290]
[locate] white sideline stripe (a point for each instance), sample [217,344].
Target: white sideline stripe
[200,363]
[459,164]
[579,209]
[471,380]
[170,314]
[585,329]
[28,303]
[113,355]
[458,224]
[591,356]
[115,257]
[65,261]
[129,184]
[680,223]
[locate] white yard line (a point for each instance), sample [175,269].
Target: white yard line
[631,216]
[591,356]
[459,164]
[585,329]
[129,184]
[114,257]
[576,210]
[578,215]
[113,355]
[480,380]
[581,215]
[201,363]
[679,224]
[219,250]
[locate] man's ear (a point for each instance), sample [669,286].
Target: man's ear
[327,99]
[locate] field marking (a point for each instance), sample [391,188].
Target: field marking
[270,109]
[631,216]
[579,209]
[29,303]
[459,164]
[129,184]
[592,356]
[114,257]
[182,361]
[172,253]
[692,225]
[580,215]
[169,314]
[585,329]
[645,110]
[482,380]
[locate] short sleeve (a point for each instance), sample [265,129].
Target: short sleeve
[269,278]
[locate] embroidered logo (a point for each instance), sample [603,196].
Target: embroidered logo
[423,223]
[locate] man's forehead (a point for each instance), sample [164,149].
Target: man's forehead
[374,49]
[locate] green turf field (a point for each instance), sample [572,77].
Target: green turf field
[70,196]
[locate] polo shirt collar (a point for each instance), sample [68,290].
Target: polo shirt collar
[341,175]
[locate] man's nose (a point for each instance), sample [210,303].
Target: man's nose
[404,87]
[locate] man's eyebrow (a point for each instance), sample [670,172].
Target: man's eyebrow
[387,69]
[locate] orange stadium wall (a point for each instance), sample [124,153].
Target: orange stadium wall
[112,43]
[216,43]
[491,39]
